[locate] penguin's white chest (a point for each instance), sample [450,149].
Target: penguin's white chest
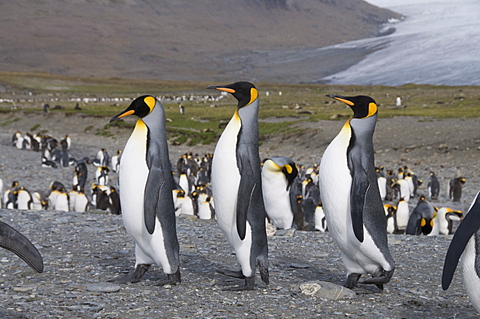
[132,179]
[390,225]
[335,182]
[470,277]
[276,198]
[402,214]
[226,178]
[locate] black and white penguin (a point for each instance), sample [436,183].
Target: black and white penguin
[402,215]
[420,221]
[390,211]
[101,175]
[81,202]
[40,200]
[115,161]
[17,243]
[443,221]
[24,198]
[114,199]
[146,184]
[237,186]
[382,183]
[278,175]
[80,175]
[466,243]
[10,196]
[433,187]
[320,220]
[205,209]
[403,189]
[101,158]
[351,198]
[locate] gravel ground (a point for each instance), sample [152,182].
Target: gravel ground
[82,251]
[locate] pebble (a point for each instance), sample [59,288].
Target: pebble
[104,287]
[328,290]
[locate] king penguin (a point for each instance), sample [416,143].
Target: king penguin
[351,198]
[466,241]
[237,186]
[146,184]
[278,176]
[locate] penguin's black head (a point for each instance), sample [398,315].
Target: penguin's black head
[244,92]
[141,107]
[362,106]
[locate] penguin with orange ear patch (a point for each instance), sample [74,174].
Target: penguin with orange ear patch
[237,186]
[146,184]
[351,198]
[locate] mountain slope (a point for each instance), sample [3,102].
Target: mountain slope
[171,39]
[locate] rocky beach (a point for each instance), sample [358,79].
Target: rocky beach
[82,251]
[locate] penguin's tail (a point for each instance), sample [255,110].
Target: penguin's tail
[262,264]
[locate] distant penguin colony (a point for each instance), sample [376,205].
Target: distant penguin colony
[345,195]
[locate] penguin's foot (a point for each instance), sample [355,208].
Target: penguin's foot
[134,276]
[352,280]
[379,278]
[249,285]
[232,273]
[172,279]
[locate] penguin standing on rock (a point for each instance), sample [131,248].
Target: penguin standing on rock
[237,186]
[146,183]
[466,243]
[351,198]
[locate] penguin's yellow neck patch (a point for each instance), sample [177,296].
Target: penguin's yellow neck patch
[140,124]
[253,95]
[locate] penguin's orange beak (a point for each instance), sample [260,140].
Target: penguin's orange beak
[341,99]
[122,114]
[221,88]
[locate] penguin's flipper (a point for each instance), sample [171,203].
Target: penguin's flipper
[157,199]
[466,229]
[246,188]
[358,193]
[244,198]
[14,241]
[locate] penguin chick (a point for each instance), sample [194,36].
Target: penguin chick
[146,185]
[455,190]
[237,186]
[351,198]
[466,243]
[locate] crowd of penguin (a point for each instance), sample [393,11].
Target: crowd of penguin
[345,194]
[84,195]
